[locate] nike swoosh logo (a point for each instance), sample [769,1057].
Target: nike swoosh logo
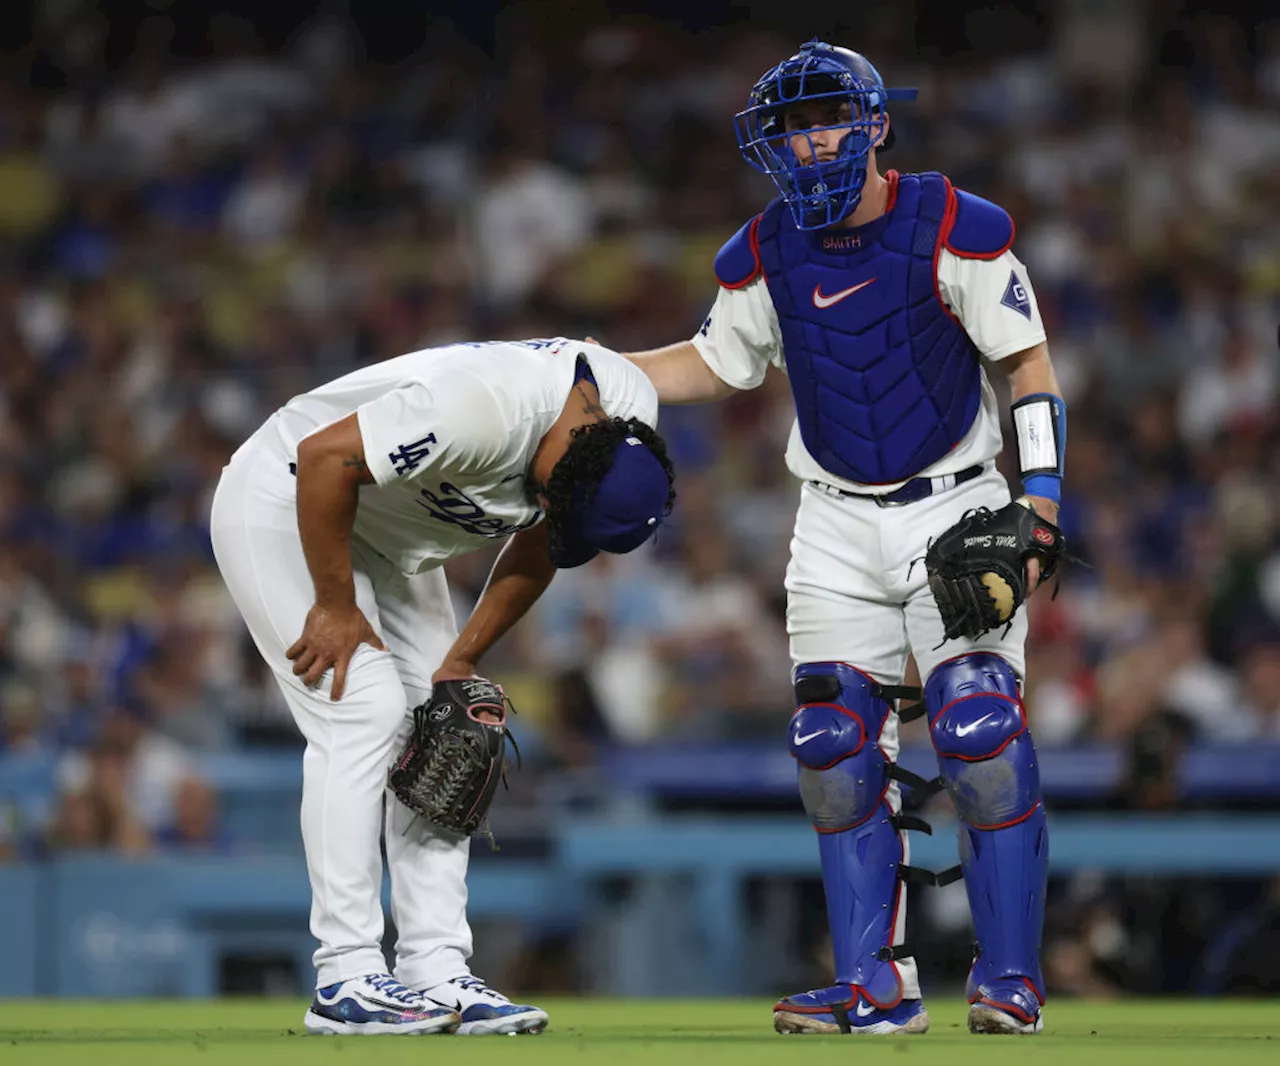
[965,730]
[808,737]
[455,1006]
[828,301]
[870,1009]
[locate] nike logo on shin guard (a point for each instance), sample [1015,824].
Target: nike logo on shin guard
[965,730]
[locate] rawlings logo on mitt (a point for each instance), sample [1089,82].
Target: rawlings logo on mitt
[451,765]
[978,568]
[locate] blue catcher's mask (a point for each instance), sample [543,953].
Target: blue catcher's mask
[824,77]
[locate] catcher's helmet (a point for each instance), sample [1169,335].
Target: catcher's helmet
[821,193]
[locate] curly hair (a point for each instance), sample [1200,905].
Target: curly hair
[589,456]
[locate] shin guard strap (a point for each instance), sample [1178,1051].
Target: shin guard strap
[918,875]
[920,786]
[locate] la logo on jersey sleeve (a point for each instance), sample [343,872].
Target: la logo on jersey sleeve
[408,457]
[1015,296]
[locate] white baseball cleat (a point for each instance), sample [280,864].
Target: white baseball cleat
[1006,1006]
[984,1018]
[485,1011]
[376,1004]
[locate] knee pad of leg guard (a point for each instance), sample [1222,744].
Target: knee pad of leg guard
[834,736]
[979,730]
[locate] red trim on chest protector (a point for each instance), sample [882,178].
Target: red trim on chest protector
[944,231]
[891,176]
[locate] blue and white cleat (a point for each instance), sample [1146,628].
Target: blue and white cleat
[374,1004]
[1007,1005]
[485,1011]
[844,1009]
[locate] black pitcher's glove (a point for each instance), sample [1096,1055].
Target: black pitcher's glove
[450,768]
[978,568]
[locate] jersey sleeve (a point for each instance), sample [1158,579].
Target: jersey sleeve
[637,398]
[993,300]
[452,424]
[740,338]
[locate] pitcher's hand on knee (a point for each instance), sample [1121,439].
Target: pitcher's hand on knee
[330,637]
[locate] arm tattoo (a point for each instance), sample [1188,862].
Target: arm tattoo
[589,406]
[356,461]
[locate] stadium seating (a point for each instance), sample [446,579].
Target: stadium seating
[103,926]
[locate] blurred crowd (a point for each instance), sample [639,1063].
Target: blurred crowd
[187,242]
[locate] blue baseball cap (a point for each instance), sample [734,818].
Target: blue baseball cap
[619,513]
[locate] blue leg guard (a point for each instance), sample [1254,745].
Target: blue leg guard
[834,737]
[988,763]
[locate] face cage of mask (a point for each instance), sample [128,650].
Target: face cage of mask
[822,193]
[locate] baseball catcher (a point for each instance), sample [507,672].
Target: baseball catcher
[889,298]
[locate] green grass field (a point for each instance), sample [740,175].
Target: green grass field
[620,1033]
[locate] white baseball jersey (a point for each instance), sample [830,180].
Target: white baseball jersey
[449,434]
[742,339]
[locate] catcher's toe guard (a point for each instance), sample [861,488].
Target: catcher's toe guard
[843,1009]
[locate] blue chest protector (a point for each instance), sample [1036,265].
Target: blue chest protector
[885,379]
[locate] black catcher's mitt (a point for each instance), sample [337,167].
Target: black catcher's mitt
[977,568]
[450,768]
